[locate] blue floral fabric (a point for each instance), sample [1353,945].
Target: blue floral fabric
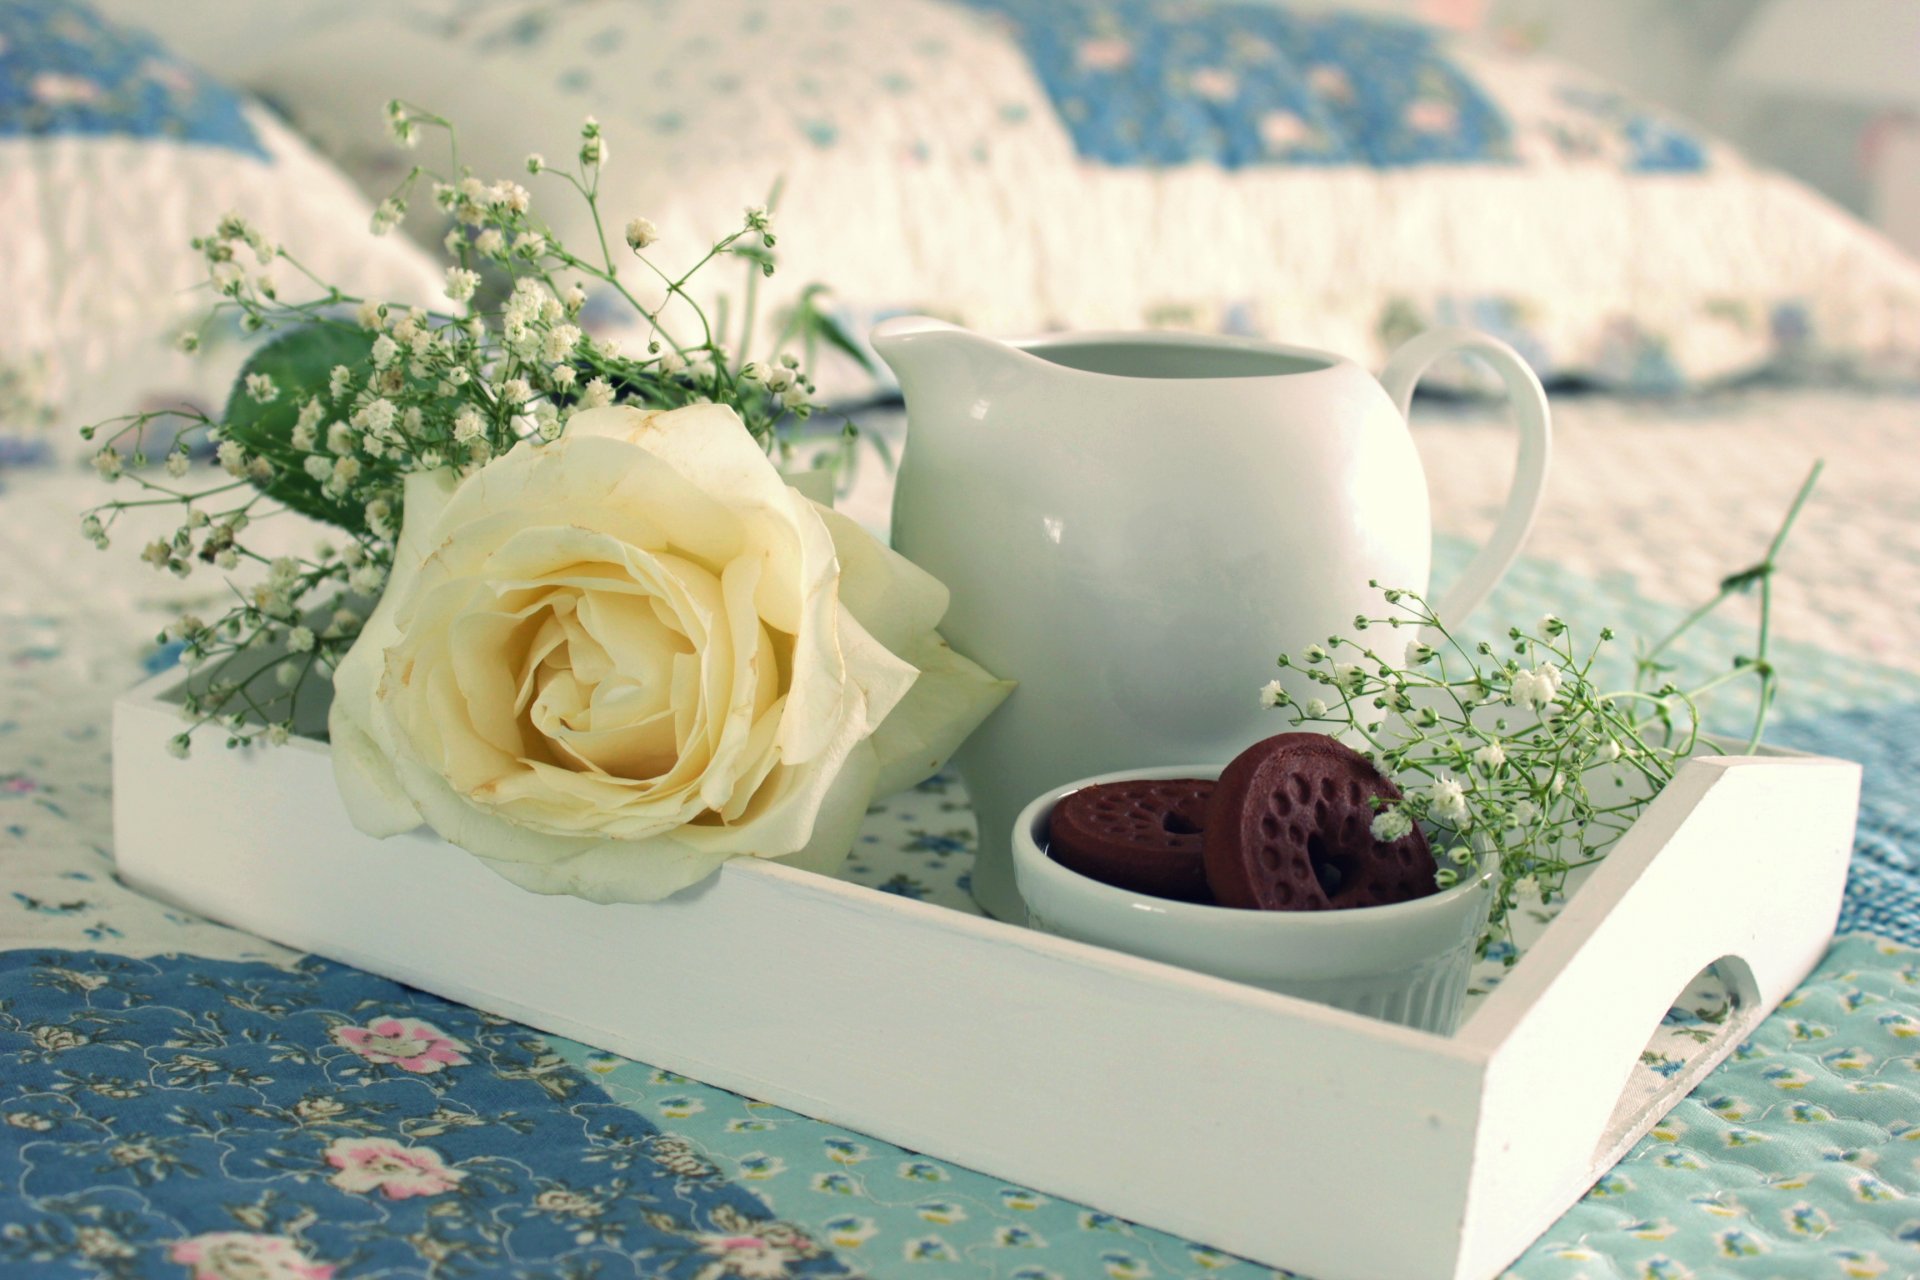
[1883,884]
[1799,1159]
[1141,82]
[179,1116]
[65,71]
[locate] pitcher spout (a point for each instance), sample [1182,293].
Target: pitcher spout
[935,361]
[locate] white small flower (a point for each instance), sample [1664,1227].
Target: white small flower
[516,391]
[302,437]
[300,640]
[339,381]
[376,415]
[179,746]
[640,233]
[1491,756]
[1527,887]
[157,554]
[561,341]
[1523,813]
[177,462]
[1538,687]
[468,424]
[1550,625]
[1349,676]
[1447,801]
[598,394]
[491,243]
[510,196]
[188,341]
[778,379]
[387,215]
[1610,751]
[340,438]
[367,579]
[1273,694]
[277,734]
[758,219]
[562,375]
[345,472]
[1316,709]
[287,674]
[530,244]
[670,362]
[535,162]
[232,457]
[1315,653]
[384,351]
[1391,824]
[1421,654]
[262,388]
[461,283]
[319,467]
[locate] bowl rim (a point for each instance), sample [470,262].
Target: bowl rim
[1030,858]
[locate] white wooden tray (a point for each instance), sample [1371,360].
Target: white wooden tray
[1299,1136]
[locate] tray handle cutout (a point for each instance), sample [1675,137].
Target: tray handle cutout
[1717,1009]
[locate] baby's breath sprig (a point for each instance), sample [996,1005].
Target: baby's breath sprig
[1514,749]
[354,394]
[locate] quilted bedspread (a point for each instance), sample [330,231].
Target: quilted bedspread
[181,1100]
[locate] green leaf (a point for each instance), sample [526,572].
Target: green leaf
[300,364]
[818,322]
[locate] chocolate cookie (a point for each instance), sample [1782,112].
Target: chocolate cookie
[1142,835]
[1289,829]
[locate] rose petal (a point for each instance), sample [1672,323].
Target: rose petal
[946,704]
[818,667]
[361,749]
[361,771]
[609,871]
[897,601]
[841,811]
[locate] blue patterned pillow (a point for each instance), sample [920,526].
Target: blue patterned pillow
[64,70]
[1311,174]
[114,154]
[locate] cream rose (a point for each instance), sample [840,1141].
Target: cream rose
[607,664]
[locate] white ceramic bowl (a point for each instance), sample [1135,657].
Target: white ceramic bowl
[1406,963]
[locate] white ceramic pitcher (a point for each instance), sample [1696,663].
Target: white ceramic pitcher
[1135,525]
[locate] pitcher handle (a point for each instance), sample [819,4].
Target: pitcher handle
[1529,405]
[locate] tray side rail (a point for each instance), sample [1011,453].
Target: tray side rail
[1741,861]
